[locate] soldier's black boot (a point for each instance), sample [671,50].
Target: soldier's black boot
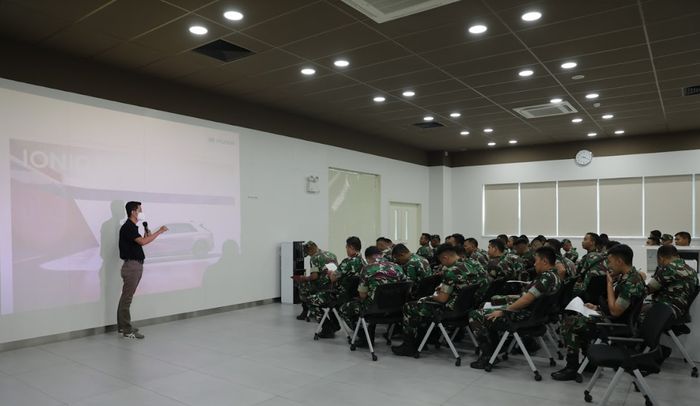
[327,330]
[304,312]
[408,348]
[485,354]
[569,372]
[335,323]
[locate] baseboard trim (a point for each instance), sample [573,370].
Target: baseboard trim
[71,335]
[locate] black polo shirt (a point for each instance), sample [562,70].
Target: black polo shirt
[128,247]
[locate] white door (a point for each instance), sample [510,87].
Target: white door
[404,224]
[353,204]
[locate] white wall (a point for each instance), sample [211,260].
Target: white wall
[274,207]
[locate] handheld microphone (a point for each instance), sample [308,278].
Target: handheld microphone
[145,227]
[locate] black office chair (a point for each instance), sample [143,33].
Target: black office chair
[555,316]
[426,287]
[350,285]
[457,318]
[534,327]
[597,290]
[632,355]
[680,327]
[386,309]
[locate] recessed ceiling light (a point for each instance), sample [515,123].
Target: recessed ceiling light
[488,130]
[569,65]
[428,118]
[591,96]
[464,132]
[607,116]
[576,120]
[379,99]
[477,29]
[525,73]
[308,71]
[531,16]
[618,132]
[577,77]
[341,63]
[455,115]
[513,142]
[491,144]
[555,100]
[233,15]
[408,93]
[198,30]
[592,134]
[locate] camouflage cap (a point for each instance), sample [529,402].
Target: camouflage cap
[309,243]
[666,237]
[566,241]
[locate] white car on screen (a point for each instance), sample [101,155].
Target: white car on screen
[182,239]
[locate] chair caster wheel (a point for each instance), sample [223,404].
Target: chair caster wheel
[374,357]
[488,367]
[416,355]
[552,362]
[353,347]
[648,402]
[587,397]
[504,357]
[538,377]
[315,337]
[694,374]
[458,362]
[579,378]
[560,356]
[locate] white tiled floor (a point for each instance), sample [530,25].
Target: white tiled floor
[264,356]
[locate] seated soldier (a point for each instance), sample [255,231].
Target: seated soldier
[526,257]
[455,239]
[591,265]
[455,275]
[502,266]
[625,286]
[565,267]
[376,272]
[424,250]
[666,239]
[471,247]
[348,268]
[682,239]
[386,245]
[415,267]
[318,278]
[486,324]
[569,251]
[674,281]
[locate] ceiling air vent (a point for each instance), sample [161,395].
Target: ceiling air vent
[223,51]
[382,11]
[428,124]
[691,90]
[546,110]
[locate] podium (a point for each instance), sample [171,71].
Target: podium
[292,263]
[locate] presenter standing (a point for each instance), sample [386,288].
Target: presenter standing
[131,251]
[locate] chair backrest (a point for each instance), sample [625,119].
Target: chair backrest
[596,289]
[495,288]
[427,286]
[466,299]
[631,314]
[350,284]
[391,296]
[566,294]
[656,321]
[692,298]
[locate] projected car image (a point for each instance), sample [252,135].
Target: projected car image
[182,239]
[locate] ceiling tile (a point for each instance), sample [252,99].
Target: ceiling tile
[335,42]
[128,18]
[190,4]
[598,43]
[389,69]
[130,55]
[80,40]
[180,65]
[677,27]
[175,36]
[513,62]
[14,24]
[471,51]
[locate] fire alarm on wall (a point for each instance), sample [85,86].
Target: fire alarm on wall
[312,184]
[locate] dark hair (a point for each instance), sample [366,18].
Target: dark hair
[611,244]
[667,251]
[604,239]
[622,251]
[442,248]
[459,249]
[354,242]
[472,241]
[525,238]
[655,233]
[541,238]
[513,238]
[654,239]
[555,244]
[426,235]
[131,206]
[683,234]
[520,241]
[372,250]
[379,239]
[384,239]
[595,237]
[399,249]
[459,238]
[548,254]
[503,238]
[498,243]
[435,237]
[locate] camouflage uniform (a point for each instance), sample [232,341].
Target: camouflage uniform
[547,283]
[387,255]
[572,255]
[318,261]
[480,256]
[372,275]
[425,251]
[460,275]
[506,267]
[569,265]
[416,269]
[591,265]
[577,329]
[674,284]
[351,266]
[528,260]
